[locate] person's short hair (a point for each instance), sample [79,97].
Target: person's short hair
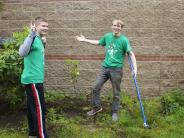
[119,22]
[40,19]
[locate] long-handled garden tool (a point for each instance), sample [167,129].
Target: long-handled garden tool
[138,94]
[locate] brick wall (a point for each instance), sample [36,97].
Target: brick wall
[154,27]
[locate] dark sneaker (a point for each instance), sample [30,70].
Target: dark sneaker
[94,111]
[114,117]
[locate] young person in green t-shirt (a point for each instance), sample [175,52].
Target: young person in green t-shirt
[116,47]
[33,76]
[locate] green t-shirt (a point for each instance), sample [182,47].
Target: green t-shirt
[115,49]
[34,63]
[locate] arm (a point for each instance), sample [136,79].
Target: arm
[26,46]
[133,59]
[81,38]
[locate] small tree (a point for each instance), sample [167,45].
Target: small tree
[73,71]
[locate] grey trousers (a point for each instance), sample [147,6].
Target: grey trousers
[115,75]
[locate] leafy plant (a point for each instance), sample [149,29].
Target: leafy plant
[73,71]
[10,70]
[52,114]
[178,96]
[171,101]
[11,67]
[17,39]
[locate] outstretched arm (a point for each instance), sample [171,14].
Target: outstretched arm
[82,38]
[133,59]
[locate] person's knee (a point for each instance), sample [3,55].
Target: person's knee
[96,88]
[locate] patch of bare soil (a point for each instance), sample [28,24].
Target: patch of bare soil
[10,117]
[71,107]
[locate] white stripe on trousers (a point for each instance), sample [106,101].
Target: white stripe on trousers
[38,99]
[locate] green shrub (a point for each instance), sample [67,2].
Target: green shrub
[11,67]
[178,97]
[171,101]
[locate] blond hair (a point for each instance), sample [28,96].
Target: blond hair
[119,22]
[39,19]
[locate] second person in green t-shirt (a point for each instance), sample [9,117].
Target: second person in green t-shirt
[116,47]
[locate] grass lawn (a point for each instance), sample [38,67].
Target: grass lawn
[66,118]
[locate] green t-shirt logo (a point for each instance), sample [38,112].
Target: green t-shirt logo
[115,49]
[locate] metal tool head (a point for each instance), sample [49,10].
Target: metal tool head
[146,126]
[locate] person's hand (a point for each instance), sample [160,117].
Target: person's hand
[44,39]
[33,27]
[80,38]
[134,72]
